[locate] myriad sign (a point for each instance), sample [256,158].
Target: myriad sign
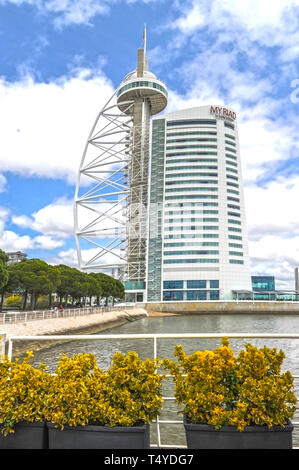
[223,112]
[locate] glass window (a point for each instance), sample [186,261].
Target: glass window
[263,283]
[198,146]
[173,295]
[212,189]
[179,182]
[233,157]
[190,252]
[231,170]
[214,294]
[195,132]
[188,122]
[191,139]
[173,284]
[194,174]
[214,284]
[231,126]
[193,261]
[196,284]
[231,163]
[189,167]
[230,136]
[235,178]
[198,196]
[196,295]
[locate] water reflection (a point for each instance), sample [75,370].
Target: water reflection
[104,350]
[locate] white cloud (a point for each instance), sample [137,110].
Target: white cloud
[45,125]
[68,11]
[12,241]
[2,183]
[69,258]
[273,226]
[4,216]
[73,11]
[55,219]
[191,20]
[54,224]
[256,17]
[77,11]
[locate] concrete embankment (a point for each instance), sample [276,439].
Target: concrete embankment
[86,324]
[223,307]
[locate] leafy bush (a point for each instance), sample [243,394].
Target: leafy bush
[127,394]
[22,392]
[219,389]
[13,301]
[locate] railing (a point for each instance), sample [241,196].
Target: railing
[32,315]
[155,338]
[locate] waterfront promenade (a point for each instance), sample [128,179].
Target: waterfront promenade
[88,323]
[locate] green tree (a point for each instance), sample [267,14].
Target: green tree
[53,282]
[4,275]
[34,277]
[67,276]
[12,284]
[118,291]
[110,287]
[3,257]
[94,288]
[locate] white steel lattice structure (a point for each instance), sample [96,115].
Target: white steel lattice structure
[102,191]
[111,200]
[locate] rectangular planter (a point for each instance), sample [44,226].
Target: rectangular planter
[99,437]
[26,436]
[204,436]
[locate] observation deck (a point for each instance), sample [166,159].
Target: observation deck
[147,87]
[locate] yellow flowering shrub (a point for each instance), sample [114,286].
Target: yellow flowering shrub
[220,389]
[126,394]
[22,392]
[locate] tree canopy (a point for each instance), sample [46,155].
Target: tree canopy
[3,269]
[35,277]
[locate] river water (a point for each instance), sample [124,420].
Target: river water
[173,434]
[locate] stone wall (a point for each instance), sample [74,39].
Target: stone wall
[224,307]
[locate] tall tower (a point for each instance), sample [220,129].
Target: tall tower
[149,96]
[112,212]
[198,246]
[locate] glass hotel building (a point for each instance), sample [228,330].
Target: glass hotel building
[197,245]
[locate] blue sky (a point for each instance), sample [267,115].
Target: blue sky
[61,60]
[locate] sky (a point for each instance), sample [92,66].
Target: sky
[61,60]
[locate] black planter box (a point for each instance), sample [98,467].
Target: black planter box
[204,436]
[26,436]
[99,437]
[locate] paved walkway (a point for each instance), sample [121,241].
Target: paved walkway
[68,325]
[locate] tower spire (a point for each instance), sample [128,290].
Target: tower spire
[144,40]
[142,64]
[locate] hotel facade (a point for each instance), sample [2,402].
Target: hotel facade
[197,243]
